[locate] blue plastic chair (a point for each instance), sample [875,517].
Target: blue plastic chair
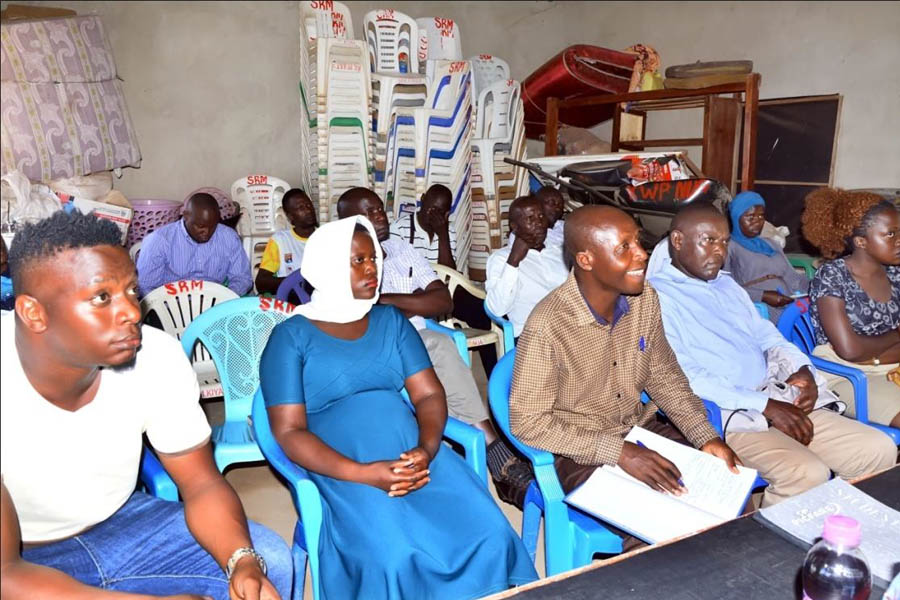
[571,537]
[292,283]
[796,325]
[235,333]
[153,477]
[509,338]
[308,502]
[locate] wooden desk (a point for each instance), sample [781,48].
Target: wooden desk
[738,560]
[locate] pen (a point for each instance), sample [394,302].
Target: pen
[641,444]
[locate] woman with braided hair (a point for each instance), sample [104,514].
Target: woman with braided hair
[855,298]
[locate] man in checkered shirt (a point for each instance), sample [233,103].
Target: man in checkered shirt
[587,352]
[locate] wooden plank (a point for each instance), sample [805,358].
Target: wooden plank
[657,94]
[662,143]
[552,127]
[616,129]
[751,107]
[720,134]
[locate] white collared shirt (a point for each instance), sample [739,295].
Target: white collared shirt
[514,291]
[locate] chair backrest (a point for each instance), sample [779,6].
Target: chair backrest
[762,309]
[393,40]
[325,19]
[179,303]
[292,283]
[235,335]
[304,492]
[796,325]
[260,199]
[439,39]
[134,251]
[487,69]
[498,398]
[496,110]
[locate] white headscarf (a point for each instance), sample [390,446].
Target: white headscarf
[326,266]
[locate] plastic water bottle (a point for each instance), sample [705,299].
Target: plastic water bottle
[835,568]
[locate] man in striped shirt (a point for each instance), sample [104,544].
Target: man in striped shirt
[194,247]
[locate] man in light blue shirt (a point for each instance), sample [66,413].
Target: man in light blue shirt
[194,247]
[724,347]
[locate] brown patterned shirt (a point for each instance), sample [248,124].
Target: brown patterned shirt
[577,382]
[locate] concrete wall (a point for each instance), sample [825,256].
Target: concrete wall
[212,86]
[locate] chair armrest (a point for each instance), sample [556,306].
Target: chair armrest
[472,441]
[509,339]
[714,414]
[155,479]
[857,379]
[458,337]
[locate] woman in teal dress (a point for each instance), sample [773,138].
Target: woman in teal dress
[403,515]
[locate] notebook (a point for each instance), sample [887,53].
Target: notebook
[801,518]
[715,494]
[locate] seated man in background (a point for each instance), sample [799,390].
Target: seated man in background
[284,251]
[82,382]
[523,272]
[587,352]
[730,354]
[196,246]
[6,292]
[432,234]
[554,206]
[410,284]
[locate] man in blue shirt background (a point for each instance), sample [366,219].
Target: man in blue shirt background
[197,246]
[724,347]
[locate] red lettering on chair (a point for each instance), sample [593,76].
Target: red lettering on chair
[171,289]
[485,56]
[322,4]
[338,27]
[458,66]
[257,179]
[445,26]
[183,286]
[265,303]
[196,284]
[279,305]
[385,15]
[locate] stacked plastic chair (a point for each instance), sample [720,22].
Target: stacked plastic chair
[335,93]
[345,141]
[439,39]
[487,69]
[259,197]
[499,133]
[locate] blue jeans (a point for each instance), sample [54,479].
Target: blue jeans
[146,547]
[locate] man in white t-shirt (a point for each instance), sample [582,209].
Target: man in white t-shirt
[523,272]
[284,252]
[82,382]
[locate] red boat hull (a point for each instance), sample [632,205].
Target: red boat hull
[579,70]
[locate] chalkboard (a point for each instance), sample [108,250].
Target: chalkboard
[795,149]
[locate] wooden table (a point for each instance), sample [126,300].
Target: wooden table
[738,560]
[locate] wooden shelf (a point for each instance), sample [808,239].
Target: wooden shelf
[720,129]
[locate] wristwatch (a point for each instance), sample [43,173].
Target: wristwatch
[241,553]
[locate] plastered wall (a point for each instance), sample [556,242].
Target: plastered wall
[212,86]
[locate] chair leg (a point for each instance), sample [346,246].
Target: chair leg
[531,526]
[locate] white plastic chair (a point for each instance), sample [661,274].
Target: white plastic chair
[176,305]
[326,19]
[393,39]
[134,251]
[260,200]
[487,69]
[475,338]
[439,39]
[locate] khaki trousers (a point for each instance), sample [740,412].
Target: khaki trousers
[849,448]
